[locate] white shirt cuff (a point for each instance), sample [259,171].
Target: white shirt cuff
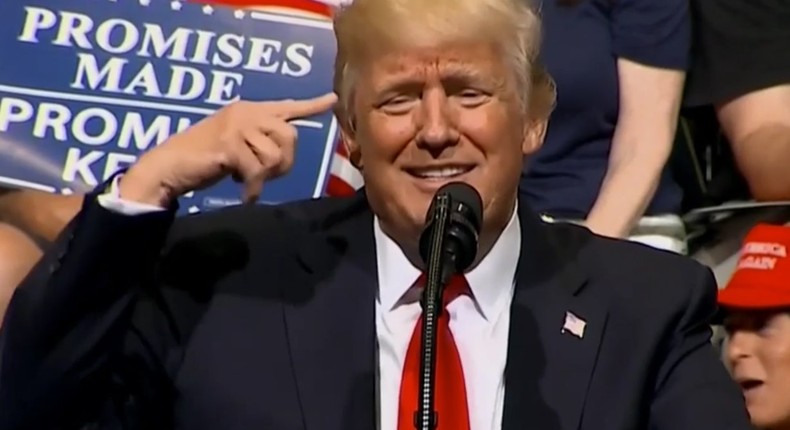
[112,201]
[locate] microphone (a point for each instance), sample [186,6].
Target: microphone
[448,246]
[464,209]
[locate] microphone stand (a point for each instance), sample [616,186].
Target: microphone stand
[438,273]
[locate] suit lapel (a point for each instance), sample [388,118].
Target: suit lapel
[548,368]
[331,332]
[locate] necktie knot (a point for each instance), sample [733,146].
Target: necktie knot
[456,287]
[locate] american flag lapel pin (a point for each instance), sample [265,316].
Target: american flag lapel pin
[574,325]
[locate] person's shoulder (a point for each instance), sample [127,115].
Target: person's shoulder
[637,276]
[587,244]
[637,259]
[307,211]
[274,222]
[208,247]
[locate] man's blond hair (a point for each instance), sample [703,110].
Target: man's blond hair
[368,27]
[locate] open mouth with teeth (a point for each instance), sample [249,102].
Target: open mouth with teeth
[439,173]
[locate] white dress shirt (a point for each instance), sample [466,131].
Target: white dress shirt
[479,323]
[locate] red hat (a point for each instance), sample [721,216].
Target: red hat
[762,277]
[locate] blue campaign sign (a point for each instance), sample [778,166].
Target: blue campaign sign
[86,86]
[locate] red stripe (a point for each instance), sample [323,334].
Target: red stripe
[305,5]
[340,148]
[336,187]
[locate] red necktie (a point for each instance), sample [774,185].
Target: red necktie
[450,395]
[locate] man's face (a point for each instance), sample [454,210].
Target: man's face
[427,117]
[758,356]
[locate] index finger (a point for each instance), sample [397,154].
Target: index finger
[293,109]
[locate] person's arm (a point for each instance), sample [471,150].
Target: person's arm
[651,40]
[18,255]
[41,214]
[70,318]
[649,104]
[757,124]
[693,390]
[70,355]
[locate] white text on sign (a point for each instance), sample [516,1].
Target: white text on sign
[184,48]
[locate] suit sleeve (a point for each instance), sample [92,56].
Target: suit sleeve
[694,390]
[70,319]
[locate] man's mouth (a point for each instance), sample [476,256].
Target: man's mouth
[439,173]
[749,384]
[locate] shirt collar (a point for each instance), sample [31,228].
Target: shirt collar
[491,281]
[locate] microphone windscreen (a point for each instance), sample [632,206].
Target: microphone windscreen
[464,194]
[465,218]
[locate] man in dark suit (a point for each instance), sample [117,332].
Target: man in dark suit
[303,316]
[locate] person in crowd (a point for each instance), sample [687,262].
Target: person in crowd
[18,254]
[307,315]
[741,67]
[619,68]
[756,316]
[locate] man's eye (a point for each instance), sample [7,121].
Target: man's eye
[472,98]
[400,104]
[398,100]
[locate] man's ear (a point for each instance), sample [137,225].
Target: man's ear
[534,134]
[348,139]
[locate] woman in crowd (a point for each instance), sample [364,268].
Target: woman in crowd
[619,69]
[756,307]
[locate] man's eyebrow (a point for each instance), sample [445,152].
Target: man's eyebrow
[460,71]
[455,73]
[464,73]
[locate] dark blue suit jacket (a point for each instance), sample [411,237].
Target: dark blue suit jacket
[263,318]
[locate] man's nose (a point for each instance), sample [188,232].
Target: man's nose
[437,122]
